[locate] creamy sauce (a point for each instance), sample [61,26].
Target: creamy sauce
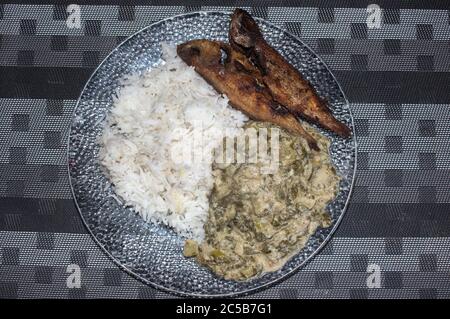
[258,221]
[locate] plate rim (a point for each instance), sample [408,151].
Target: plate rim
[232,294]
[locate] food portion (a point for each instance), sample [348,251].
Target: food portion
[242,89]
[240,221]
[154,115]
[283,81]
[258,221]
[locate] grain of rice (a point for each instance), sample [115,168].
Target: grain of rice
[148,119]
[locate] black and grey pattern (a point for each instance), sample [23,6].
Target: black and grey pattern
[395,77]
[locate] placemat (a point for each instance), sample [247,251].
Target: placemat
[392,60]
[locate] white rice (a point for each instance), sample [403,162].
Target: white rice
[150,116]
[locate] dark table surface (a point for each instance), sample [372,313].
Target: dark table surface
[396,78]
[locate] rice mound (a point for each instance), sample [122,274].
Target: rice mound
[153,114]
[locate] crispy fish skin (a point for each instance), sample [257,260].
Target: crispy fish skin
[284,82]
[242,89]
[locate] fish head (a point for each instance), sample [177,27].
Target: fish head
[200,51]
[245,36]
[244,31]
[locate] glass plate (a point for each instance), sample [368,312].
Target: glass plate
[153,253]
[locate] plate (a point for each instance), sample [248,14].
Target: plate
[151,252]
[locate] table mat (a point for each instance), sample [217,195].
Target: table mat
[396,77]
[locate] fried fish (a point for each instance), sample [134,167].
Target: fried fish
[230,76]
[285,83]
